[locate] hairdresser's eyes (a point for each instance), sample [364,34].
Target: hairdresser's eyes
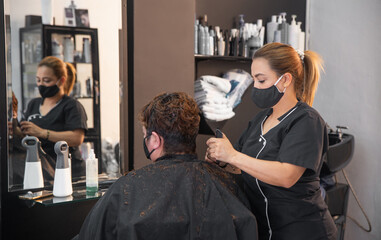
[260,80]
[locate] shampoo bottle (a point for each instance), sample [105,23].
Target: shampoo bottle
[293,33]
[283,27]
[212,37]
[201,40]
[261,30]
[91,174]
[196,37]
[207,41]
[302,36]
[271,28]
[33,170]
[62,177]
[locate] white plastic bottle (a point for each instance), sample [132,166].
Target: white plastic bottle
[196,37]
[293,33]
[201,40]
[302,36]
[62,186]
[91,173]
[207,41]
[283,27]
[211,42]
[33,177]
[271,28]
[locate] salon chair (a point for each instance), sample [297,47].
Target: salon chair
[338,156]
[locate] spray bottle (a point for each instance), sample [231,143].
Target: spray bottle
[33,170]
[91,174]
[62,178]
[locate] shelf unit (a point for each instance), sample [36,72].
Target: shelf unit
[227,17]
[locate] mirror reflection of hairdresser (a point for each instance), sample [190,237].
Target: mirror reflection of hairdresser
[55,116]
[177,196]
[280,153]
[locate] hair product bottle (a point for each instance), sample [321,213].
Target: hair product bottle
[91,174]
[33,170]
[293,33]
[271,28]
[62,177]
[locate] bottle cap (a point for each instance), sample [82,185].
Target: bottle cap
[259,23]
[293,22]
[279,19]
[273,18]
[241,21]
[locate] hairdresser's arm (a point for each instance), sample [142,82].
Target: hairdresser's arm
[73,138]
[271,172]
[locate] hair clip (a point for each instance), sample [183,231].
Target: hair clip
[300,53]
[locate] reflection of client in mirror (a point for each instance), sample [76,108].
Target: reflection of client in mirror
[56,116]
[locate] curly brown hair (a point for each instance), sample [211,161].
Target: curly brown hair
[175,117]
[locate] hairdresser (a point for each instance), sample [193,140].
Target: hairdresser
[55,116]
[280,153]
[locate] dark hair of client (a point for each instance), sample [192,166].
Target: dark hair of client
[175,117]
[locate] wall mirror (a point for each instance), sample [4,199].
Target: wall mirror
[92,46]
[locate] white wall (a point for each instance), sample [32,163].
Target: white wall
[347,35]
[103,15]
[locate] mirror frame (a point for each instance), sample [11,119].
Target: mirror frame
[3,107]
[126,163]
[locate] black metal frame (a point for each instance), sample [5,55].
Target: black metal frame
[3,115]
[130,86]
[47,31]
[93,134]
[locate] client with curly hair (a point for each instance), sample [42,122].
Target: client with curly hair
[177,196]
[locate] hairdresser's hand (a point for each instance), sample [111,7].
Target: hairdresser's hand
[219,149]
[29,128]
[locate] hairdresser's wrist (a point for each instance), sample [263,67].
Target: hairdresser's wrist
[47,134]
[235,158]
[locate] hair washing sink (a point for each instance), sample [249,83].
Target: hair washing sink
[339,154]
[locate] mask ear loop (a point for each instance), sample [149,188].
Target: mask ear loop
[278,82]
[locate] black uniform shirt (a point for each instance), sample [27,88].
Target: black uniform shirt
[67,115]
[298,212]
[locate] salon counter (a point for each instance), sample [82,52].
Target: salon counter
[47,218]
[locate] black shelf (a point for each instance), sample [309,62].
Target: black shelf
[221,58]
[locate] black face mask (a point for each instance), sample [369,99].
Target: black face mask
[266,98]
[146,152]
[47,92]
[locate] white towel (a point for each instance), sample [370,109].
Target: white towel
[209,94]
[240,81]
[221,84]
[222,109]
[211,100]
[218,117]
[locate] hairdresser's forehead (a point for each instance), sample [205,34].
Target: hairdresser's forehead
[261,66]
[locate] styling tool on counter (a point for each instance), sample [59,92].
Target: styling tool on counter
[219,134]
[33,170]
[62,178]
[35,195]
